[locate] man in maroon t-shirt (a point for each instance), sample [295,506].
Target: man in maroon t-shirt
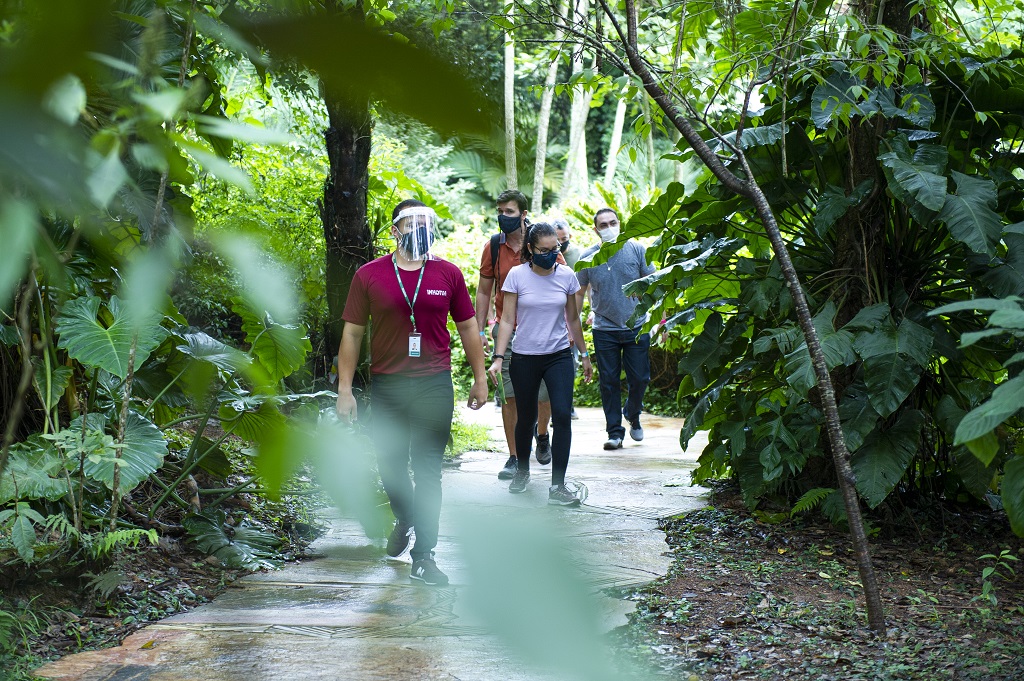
[409,295]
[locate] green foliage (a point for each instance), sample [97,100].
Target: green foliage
[241,546]
[1002,568]
[101,344]
[467,437]
[880,238]
[810,499]
[102,545]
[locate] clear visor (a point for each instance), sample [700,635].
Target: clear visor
[415,231]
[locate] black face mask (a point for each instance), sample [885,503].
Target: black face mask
[564,246]
[509,223]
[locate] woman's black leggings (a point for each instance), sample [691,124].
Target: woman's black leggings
[557,371]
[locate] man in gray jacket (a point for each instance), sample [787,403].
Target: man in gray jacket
[617,345]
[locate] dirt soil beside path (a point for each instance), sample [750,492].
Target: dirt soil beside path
[749,600]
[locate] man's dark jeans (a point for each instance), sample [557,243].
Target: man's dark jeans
[411,421]
[615,351]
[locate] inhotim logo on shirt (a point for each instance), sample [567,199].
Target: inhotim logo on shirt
[436,292]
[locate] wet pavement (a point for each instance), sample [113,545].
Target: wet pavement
[516,565]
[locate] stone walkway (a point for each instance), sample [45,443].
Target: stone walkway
[532,588]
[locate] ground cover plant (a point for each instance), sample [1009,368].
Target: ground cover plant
[774,596]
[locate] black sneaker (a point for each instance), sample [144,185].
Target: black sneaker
[398,541]
[426,571]
[509,470]
[543,448]
[519,482]
[560,495]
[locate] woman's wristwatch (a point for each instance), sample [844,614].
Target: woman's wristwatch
[497,355]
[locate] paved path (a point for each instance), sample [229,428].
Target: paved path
[532,586]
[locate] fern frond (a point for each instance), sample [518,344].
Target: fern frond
[810,499]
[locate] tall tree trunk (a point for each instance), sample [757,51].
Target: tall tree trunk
[616,141]
[573,179]
[347,237]
[511,173]
[543,120]
[343,208]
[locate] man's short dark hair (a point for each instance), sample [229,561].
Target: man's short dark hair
[408,203]
[605,210]
[514,195]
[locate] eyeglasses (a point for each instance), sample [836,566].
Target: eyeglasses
[541,251]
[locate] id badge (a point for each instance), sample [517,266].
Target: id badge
[414,344]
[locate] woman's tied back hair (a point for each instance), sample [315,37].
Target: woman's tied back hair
[535,233]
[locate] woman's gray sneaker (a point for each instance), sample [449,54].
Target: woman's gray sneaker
[427,572]
[562,496]
[519,482]
[511,466]
[543,448]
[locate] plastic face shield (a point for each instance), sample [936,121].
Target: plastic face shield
[416,231]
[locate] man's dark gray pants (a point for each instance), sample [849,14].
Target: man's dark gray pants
[411,421]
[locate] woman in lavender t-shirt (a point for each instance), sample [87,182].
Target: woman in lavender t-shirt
[540,304]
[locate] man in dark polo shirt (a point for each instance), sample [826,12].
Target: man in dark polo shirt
[409,295]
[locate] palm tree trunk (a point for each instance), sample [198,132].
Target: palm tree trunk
[616,142]
[511,173]
[543,120]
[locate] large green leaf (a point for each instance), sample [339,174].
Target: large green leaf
[251,424]
[243,546]
[858,418]
[909,339]
[833,98]
[834,203]
[1006,400]
[89,340]
[51,385]
[704,349]
[883,459]
[654,217]
[975,475]
[1012,493]
[776,440]
[889,380]
[917,180]
[34,471]
[969,213]
[202,347]
[23,536]
[276,349]
[1008,303]
[1007,278]
[143,453]
[837,347]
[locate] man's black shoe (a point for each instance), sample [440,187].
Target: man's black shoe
[509,470]
[398,541]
